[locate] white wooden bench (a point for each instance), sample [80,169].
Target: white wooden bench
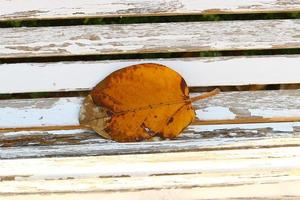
[42,156]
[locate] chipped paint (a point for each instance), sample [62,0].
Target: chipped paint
[65,110]
[196,72]
[203,169]
[28,133]
[148,164]
[284,127]
[215,113]
[273,113]
[149,38]
[11,10]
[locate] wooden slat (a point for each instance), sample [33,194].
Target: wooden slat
[196,71]
[231,105]
[43,9]
[39,144]
[228,169]
[287,190]
[148,164]
[227,105]
[149,38]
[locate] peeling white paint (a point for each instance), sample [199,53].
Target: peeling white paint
[60,132]
[273,113]
[64,111]
[149,164]
[58,7]
[149,37]
[43,9]
[211,169]
[284,126]
[215,113]
[228,4]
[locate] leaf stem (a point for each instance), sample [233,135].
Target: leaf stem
[205,95]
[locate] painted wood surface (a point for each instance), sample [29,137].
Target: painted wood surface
[39,144]
[227,105]
[148,38]
[62,9]
[216,71]
[227,169]
[238,161]
[231,105]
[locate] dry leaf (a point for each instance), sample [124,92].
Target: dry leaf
[139,102]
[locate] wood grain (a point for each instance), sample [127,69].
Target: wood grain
[215,71]
[63,9]
[127,173]
[38,144]
[269,191]
[148,38]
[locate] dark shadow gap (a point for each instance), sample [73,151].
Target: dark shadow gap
[36,95]
[247,87]
[147,19]
[152,55]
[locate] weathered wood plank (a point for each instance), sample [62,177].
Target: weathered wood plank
[196,71]
[32,9]
[154,164]
[149,38]
[205,136]
[227,105]
[196,138]
[287,190]
[231,105]
[209,169]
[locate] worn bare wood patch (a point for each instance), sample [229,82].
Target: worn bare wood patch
[196,71]
[148,38]
[12,10]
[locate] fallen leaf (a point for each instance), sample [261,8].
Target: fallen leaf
[139,102]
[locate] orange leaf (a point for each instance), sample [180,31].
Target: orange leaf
[139,102]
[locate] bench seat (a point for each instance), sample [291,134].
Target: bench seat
[243,144]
